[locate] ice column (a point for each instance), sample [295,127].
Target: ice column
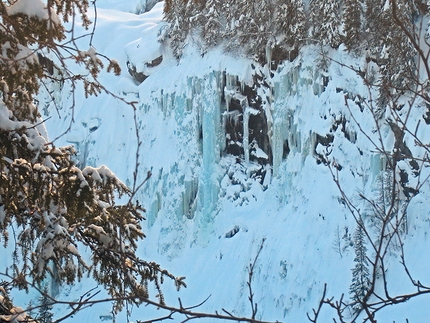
[279,133]
[246,134]
[210,149]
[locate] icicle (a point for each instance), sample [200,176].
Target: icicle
[209,187]
[246,135]
[268,58]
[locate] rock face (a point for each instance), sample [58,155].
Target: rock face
[150,4]
[139,77]
[245,124]
[146,6]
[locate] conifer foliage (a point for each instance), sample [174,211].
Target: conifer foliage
[256,28]
[352,20]
[54,207]
[248,27]
[325,22]
[178,12]
[360,273]
[397,56]
[291,23]
[45,308]
[214,21]
[8,312]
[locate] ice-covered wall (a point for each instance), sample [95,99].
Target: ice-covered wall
[237,154]
[211,115]
[196,114]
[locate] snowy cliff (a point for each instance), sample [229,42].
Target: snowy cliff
[239,153]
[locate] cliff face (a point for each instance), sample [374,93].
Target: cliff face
[241,152]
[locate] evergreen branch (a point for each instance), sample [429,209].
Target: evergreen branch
[410,36]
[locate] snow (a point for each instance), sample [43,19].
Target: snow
[6,124]
[101,235]
[133,6]
[146,48]
[197,197]
[33,8]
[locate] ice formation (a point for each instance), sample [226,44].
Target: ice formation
[233,161]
